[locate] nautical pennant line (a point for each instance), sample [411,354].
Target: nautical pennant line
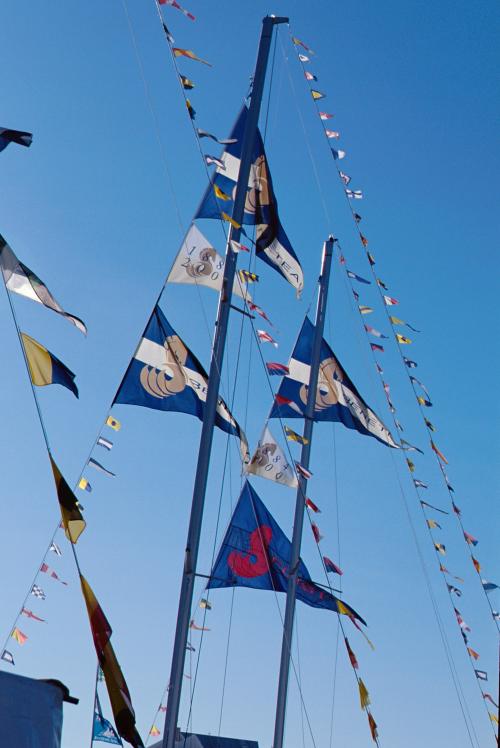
[401,340]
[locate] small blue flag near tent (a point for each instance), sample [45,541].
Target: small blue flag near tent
[337,398]
[103,730]
[256,553]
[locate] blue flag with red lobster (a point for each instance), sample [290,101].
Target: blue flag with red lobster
[256,553]
[337,399]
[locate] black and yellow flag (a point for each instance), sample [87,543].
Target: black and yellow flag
[72,518]
[186,82]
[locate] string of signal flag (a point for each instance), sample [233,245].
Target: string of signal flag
[419,389]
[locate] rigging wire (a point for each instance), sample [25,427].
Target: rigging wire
[327,216]
[239,350]
[299,670]
[159,137]
[179,217]
[443,635]
[226,657]
[152,111]
[429,434]
[430,532]
[339,556]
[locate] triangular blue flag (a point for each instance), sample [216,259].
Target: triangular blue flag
[337,398]
[103,730]
[261,207]
[165,375]
[256,553]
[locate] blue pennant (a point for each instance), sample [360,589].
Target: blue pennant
[337,398]
[256,553]
[261,207]
[104,731]
[165,375]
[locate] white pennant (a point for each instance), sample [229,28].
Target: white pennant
[269,462]
[200,264]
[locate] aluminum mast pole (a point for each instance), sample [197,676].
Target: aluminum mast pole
[298,523]
[200,484]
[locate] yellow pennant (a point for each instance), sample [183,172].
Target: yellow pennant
[364,696]
[189,54]
[113,423]
[401,339]
[221,195]
[230,220]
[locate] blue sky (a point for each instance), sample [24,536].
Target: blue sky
[98,206]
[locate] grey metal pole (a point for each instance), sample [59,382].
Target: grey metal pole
[286,646]
[200,484]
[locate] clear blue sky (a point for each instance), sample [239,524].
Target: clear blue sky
[98,206]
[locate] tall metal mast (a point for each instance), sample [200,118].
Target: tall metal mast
[298,523]
[200,484]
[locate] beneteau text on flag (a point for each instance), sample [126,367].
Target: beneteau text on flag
[261,208]
[337,399]
[165,375]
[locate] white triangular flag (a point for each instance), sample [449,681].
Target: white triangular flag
[200,264]
[269,462]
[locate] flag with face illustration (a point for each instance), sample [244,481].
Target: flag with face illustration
[256,553]
[165,375]
[198,263]
[261,207]
[337,399]
[269,461]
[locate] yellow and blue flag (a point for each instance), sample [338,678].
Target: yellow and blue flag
[292,436]
[186,82]
[45,368]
